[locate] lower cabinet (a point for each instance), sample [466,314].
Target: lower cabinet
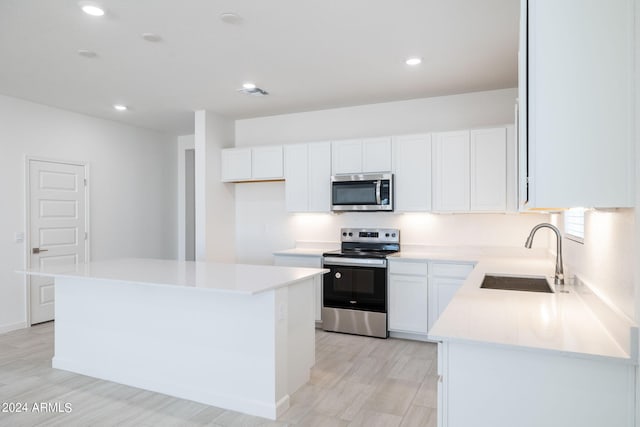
[305,261]
[408,292]
[420,290]
[502,386]
[444,281]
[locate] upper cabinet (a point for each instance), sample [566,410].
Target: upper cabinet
[451,171]
[412,172]
[474,171]
[488,170]
[252,164]
[576,103]
[307,175]
[355,156]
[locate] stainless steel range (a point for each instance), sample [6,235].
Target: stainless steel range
[355,289]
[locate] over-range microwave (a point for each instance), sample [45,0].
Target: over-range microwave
[362,192]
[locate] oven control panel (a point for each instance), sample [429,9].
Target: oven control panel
[371,235]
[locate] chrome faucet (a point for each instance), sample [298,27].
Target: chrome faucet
[559,276]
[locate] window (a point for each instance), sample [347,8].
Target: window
[574,224]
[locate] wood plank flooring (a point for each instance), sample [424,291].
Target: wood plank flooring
[357,381]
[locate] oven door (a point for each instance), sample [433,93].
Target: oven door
[355,283]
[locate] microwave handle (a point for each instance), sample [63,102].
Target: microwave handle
[378,198]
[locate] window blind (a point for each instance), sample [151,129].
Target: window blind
[574,224]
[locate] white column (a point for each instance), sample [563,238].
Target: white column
[215,201]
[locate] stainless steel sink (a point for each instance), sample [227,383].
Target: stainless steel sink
[516,283]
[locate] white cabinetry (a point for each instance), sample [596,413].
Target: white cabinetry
[444,281]
[474,171]
[310,261]
[408,296]
[307,173]
[355,156]
[451,171]
[488,169]
[501,386]
[576,100]
[252,164]
[236,164]
[412,172]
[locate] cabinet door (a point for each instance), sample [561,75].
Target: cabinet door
[346,156]
[408,303]
[319,163]
[267,163]
[412,173]
[376,155]
[296,178]
[442,292]
[451,171]
[310,262]
[488,168]
[580,133]
[236,164]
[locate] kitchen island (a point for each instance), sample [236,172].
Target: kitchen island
[239,337]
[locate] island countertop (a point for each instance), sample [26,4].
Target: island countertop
[220,277]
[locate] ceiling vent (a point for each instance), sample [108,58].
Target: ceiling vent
[256,91]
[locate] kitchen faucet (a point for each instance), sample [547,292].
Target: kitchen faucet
[559,276]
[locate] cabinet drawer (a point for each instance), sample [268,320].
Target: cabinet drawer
[458,271]
[413,268]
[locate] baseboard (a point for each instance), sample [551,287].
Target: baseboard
[8,327]
[409,336]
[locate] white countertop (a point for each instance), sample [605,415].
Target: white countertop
[312,252]
[558,322]
[231,278]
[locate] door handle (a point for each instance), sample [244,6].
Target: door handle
[38,250]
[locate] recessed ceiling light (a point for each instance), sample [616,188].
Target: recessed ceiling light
[151,37]
[120,107]
[414,61]
[87,53]
[249,85]
[91,8]
[231,18]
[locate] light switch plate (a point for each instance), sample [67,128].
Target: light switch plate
[19,237]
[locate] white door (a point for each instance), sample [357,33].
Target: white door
[57,226]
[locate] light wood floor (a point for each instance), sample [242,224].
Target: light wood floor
[357,381]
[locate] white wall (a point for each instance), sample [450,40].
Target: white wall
[263,225]
[132,188]
[392,118]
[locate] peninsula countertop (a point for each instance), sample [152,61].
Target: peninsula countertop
[219,277]
[558,322]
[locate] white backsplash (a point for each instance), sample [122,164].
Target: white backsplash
[263,226]
[606,259]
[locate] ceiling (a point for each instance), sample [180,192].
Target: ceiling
[309,55]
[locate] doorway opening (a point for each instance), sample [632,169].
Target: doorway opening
[190,205]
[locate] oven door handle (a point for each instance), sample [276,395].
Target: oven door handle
[355,262]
